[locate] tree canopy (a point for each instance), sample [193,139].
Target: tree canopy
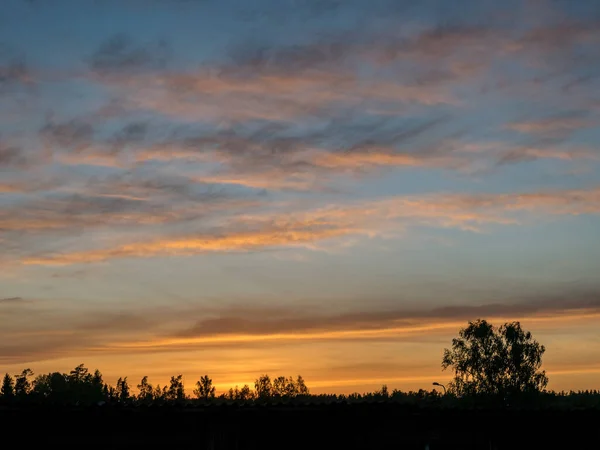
[495,361]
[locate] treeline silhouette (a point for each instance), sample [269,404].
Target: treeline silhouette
[82,387]
[496,399]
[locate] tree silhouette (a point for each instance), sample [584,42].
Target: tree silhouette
[301,386]
[80,380]
[288,387]
[204,388]
[263,387]
[176,390]
[245,393]
[96,386]
[77,387]
[146,391]
[53,387]
[497,361]
[78,375]
[233,394]
[383,392]
[242,394]
[22,383]
[108,392]
[7,391]
[122,393]
[160,394]
[280,385]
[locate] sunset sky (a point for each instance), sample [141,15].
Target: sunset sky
[329,188]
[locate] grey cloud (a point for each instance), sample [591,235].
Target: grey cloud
[11,300]
[437,55]
[95,205]
[14,351]
[299,57]
[440,40]
[549,136]
[280,148]
[13,157]
[74,134]
[563,35]
[248,148]
[515,156]
[295,322]
[86,136]
[51,333]
[125,321]
[578,82]
[71,274]
[114,208]
[131,133]
[430,49]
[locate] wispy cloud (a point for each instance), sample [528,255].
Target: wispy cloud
[271,322]
[73,211]
[520,154]
[558,126]
[275,97]
[259,232]
[267,155]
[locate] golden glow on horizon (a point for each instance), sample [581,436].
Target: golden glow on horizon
[335,361]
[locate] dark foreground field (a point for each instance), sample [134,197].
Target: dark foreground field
[373,426]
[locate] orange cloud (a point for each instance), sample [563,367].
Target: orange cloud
[552,125]
[273,179]
[376,157]
[196,245]
[313,169]
[7,188]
